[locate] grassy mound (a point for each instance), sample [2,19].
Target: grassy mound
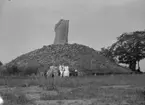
[81,57]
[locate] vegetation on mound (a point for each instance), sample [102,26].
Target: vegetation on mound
[83,58]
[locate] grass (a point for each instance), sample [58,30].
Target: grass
[11,98]
[86,87]
[73,82]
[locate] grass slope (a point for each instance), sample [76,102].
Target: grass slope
[77,56]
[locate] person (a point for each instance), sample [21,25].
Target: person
[61,70]
[76,72]
[66,71]
[1,101]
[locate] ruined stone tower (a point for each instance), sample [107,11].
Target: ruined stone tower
[61,32]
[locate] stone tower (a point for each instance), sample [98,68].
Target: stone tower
[61,32]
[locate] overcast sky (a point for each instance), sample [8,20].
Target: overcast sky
[26,25]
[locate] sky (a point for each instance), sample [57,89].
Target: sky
[26,25]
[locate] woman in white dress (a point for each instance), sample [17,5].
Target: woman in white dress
[66,71]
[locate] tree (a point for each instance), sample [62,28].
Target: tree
[108,53]
[130,48]
[13,70]
[1,63]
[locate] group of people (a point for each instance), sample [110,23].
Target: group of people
[64,71]
[61,70]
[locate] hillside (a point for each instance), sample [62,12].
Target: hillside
[77,56]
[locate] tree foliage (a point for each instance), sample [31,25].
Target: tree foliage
[130,48]
[108,53]
[12,70]
[1,63]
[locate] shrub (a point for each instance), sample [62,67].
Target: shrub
[1,63]
[30,71]
[2,70]
[31,68]
[13,70]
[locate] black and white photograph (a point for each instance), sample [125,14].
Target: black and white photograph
[72,52]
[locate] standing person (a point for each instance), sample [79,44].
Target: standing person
[61,69]
[1,101]
[66,71]
[76,72]
[45,74]
[54,75]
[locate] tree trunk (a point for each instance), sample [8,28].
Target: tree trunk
[138,66]
[132,65]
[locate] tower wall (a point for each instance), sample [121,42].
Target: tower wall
[61,32]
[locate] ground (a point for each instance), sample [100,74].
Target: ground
[88,90]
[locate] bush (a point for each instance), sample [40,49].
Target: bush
[1,63]
[31,68]
[30,71]
[13,70]
[2,70]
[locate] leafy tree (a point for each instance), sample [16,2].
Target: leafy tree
[13,70]
[108,53]
[130,48]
